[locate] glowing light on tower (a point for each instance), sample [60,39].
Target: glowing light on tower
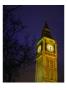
[46,57]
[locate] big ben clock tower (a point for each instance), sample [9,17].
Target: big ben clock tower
[46,57]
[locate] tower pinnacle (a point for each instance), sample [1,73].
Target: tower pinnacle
[46,31]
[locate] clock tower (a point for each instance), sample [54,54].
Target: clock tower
[46,57]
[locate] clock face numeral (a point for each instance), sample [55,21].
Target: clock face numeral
[50,48]
[39,49]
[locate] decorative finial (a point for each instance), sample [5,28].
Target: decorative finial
[46,25]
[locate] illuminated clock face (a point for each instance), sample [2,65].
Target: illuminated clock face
[39,49]
[50,47]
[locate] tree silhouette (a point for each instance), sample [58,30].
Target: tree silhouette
[11,49]
[14,54]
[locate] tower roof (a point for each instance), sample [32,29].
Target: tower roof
[46,31]
[46,25]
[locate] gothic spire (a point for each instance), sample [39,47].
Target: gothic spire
[46,31]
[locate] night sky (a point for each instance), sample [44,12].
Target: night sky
[34,18]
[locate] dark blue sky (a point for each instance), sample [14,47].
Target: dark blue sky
[34,18]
